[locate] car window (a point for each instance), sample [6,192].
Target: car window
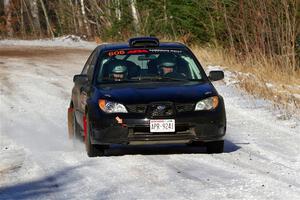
[145,64]
[88,63]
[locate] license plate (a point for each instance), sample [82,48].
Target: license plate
[162,125]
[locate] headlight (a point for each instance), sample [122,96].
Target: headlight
[207,104]
[111,107]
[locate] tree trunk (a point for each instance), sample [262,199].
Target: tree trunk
[28,16]
[7,10]
[49,29]
[22,20]
[228,29]
[75,28]
[61,18]
[165,12]
[290,8]
[118,9]
[35,17]
[79,18]
[85,21]
[136,21]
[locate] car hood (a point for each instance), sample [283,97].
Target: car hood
[154,92]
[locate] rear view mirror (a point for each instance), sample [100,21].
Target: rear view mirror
[146,57]
[80,78]
[216,75]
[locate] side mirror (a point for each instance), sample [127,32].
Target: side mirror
[80,78]
[216,75]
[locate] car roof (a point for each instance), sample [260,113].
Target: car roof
[164,45]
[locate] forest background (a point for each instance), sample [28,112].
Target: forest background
[259,37]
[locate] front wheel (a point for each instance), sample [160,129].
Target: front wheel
[215,146]
[92,149]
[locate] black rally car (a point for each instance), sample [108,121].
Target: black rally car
[146,92]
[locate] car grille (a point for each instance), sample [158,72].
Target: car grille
[185,107]
[160,109]
[137,108]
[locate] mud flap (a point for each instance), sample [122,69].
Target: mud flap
[70,123]
[84,127]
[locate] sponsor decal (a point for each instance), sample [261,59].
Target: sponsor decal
[137,51]
[123,52]
[115,53]
[165,50]
[142,51]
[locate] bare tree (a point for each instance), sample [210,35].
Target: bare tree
[228,28]
[135,15]
[74,21]
[49,29]
[7,10]
[78,17]
[22,19]
[35,17]
[118,9]
[85,21]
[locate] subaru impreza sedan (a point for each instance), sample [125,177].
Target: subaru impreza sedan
[146,92]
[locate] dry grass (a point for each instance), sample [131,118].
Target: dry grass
[261,77]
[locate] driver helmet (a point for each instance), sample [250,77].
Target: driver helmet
[167,63]
[119,73]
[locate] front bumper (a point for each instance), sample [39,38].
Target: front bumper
[134,129]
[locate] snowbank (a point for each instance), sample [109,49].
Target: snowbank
[64,41]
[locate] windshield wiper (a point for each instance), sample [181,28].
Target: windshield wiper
[147,78]
[113,81]
[196,80]
[157,78]
[166,78]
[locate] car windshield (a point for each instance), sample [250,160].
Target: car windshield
[141,65]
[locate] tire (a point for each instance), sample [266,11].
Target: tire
[215,146]
[92,149]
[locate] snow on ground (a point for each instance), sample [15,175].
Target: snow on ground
[64,41]
[261,158]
